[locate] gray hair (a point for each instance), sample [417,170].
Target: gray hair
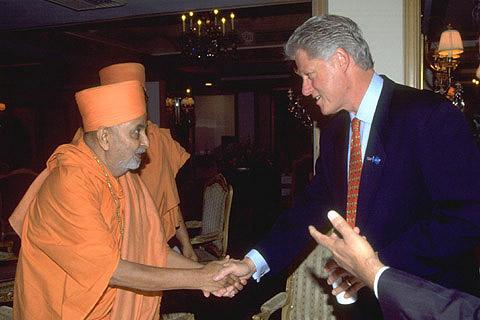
[320,36]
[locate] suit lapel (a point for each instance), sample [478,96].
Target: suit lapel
[338,162]
[375,156]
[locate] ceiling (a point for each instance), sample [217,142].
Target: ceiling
[30,14]
[45,44]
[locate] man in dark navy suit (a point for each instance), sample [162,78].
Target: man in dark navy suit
[401,295]
[405,158]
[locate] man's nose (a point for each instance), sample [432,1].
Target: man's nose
[306,87]
[145,142]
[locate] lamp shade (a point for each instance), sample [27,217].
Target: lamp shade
[450,43]
[478,72]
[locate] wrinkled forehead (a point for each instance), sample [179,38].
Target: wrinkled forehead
[303,67]
[140,122]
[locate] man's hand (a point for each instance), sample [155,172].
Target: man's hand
[225,287]
[349,283]
[188,252]
[352,252]
[242,269]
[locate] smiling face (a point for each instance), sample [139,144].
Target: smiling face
[324,80]
[128,141]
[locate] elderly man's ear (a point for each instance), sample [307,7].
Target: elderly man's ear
[103,136]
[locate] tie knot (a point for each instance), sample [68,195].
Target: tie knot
[355,124]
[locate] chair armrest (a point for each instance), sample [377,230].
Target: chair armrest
[193,224]
[270,306]
[6,312]
[177,316]
[203,238]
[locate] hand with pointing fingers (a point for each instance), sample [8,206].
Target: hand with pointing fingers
[351,252]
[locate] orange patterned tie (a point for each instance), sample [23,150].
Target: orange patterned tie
[354,172]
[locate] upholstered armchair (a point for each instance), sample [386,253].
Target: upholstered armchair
[177,316]
[6,313]
[211,243]
[306,295]
[12,188]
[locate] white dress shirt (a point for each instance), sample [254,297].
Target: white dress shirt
[377,277]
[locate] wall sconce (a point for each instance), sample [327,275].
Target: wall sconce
[182,109]
[450,43]
[445,59]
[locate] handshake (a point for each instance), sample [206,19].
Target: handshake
[225,278]
[354,264]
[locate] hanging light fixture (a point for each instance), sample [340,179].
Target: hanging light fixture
[208,36]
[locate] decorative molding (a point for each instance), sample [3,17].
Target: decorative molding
[413,55]
[316,143]
[319,7]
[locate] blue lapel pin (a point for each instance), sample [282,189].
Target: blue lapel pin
[374,159]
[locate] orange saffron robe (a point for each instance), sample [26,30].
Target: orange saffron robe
[70,241]
[165,157]
[144,236]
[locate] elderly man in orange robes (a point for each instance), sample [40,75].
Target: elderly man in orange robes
[70,264]
[165,157]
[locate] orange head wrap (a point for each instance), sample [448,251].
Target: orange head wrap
[111,104]
[122,72]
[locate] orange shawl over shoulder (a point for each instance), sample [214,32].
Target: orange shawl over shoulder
[165,158]
[144,242]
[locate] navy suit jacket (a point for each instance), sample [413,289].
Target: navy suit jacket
[403,296]
[419,197]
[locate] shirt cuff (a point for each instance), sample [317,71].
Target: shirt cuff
[261,265]
[377,277]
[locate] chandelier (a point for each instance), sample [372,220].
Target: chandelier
[208,36]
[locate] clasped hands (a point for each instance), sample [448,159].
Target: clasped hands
[219,281]
[227,277]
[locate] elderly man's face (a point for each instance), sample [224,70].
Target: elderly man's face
[127,144]
[322,80]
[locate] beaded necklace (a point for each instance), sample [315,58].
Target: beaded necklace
[114,196]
